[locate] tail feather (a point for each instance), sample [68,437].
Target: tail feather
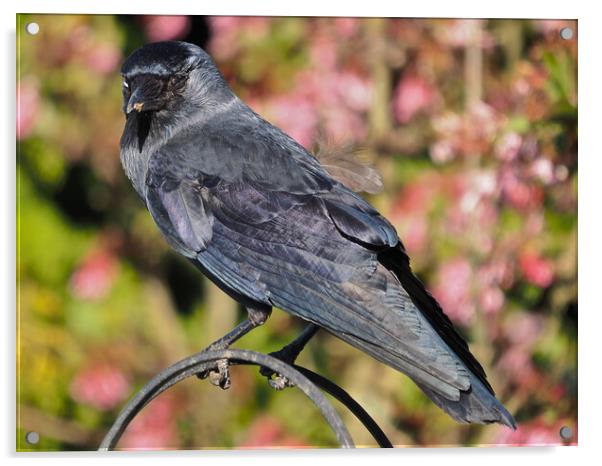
[476,405]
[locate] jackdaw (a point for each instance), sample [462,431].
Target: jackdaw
[265,221]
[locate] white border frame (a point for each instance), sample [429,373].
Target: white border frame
[590,231]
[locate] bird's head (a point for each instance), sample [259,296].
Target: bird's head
[171,76]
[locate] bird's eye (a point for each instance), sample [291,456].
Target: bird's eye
[125,84]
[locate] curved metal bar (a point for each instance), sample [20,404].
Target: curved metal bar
[345,398]
[204,360]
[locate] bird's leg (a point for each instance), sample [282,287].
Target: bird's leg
[289,354]
[220,375]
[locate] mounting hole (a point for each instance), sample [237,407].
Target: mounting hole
[32,28]
[566,433]
[32,438]
[566,33]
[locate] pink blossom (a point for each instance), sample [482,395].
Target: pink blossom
[453,290]
[483,120]
[488,215]
[415,198]
[343,125]
[522,86]
[516,363]
[103,58]
[536,433]
[94,278]
[296,116]
[154,428]
[537,270]
[508,146]
[412,95]
[518,193]
[354,90]
[323,53]
[158,28]
[346,27]
[415,234]
[524,329]
[316,87]
[442,152]
[224,24]
[223,43]
[102,386]
[491,300]
[268,432]
[28,102]
[543,169]
[484,182]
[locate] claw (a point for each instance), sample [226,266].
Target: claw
[280,382]
[220,377]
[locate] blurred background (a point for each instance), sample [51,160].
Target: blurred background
[473,125]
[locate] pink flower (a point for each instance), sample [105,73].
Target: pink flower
[224,24]
[354,91]
[154,428]
[536,433]
[343,125]
[537,270]
[518,193]
[483,120]
[415,235]
[224,30]
[94,278]
[442,151]
[28,103]
[268,432]
[524,329]
[516,363]
[297,118]
[491,300]
[411,95]
[103,58]
[101,386]
[158,28]
[323,53]
[346,27]
[415,198]
[543,169]
[508,146]
[453,290]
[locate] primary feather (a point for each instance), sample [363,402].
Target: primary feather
[262,218]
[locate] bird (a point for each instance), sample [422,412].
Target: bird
[259,216]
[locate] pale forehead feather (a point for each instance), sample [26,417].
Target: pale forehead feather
[163,59]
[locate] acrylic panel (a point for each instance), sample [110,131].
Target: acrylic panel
[461,133]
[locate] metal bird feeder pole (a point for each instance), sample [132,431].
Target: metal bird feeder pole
[304,379]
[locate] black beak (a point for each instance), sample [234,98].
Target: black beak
[136,101]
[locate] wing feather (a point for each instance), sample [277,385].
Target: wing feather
[266,222]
